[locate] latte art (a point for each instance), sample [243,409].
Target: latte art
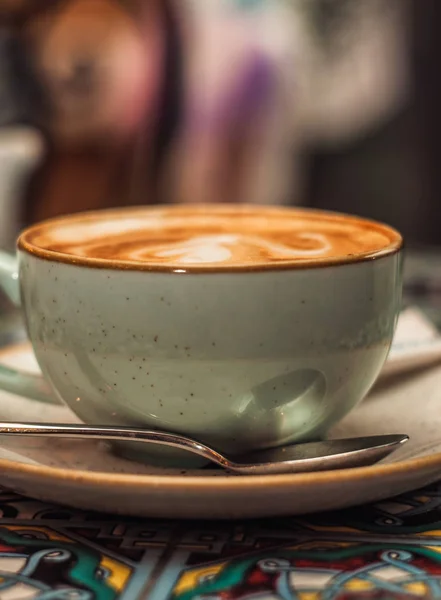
[218,249]
[210,237]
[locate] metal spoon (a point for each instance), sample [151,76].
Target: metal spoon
[295,458]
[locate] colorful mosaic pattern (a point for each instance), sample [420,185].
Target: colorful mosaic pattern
[389,551]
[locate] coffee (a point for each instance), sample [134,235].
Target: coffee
[254,348]
[210,237]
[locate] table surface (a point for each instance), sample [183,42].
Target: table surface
[391,550]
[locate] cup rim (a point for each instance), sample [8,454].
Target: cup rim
[395,245]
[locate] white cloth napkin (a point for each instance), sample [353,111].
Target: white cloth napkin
[417,343]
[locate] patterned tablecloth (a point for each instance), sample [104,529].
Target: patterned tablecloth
[391,550]
[387,551]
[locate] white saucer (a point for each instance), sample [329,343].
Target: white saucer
[86,475]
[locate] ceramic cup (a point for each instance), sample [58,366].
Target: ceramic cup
[240,360]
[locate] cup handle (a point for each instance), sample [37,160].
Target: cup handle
[13,380]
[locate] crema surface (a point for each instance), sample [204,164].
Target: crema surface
[219,237]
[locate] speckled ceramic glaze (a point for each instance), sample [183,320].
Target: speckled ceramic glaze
[239,360]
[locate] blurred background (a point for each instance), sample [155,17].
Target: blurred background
[324,103]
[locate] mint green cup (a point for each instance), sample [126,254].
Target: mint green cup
[239,359]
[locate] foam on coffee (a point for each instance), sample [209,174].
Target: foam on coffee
[207,237]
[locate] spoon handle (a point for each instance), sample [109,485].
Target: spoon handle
[121,434]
